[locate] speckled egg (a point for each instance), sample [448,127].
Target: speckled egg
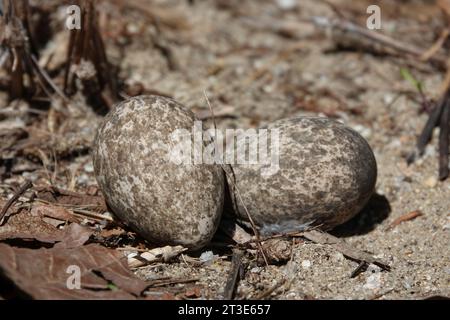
[315,172]
[165,201]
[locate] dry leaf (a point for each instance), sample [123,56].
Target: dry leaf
[54,212]
[22,224]
[277,250]
[75,235]
[45,273]
[72,199]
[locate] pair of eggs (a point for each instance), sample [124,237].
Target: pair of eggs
[324,174]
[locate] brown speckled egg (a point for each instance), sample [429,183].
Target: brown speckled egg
[164,201]
[326,174]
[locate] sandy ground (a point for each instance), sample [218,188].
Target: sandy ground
[362,90]
[253,75]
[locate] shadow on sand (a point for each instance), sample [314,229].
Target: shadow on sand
[375,211]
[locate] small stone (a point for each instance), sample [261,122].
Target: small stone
[338,257]
[287,4]
[306,264]
[88,167]
[255,270]
[207,257]
[362,130]
[431,182]
[373,282]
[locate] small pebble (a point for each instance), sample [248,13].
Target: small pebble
[306,264]
[431,182]
[373,282]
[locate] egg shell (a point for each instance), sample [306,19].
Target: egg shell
[326,174]
[166,202]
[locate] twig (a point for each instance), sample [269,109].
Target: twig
[439,116]
[362,266]
[47,78]
[80,212]
[427,132]
[349,30]
[87,61]
[436,46]
[269,291]
[399,46]
[381,294]
[406,217]
[344,248]
[92,215]
[165,254]
[235,275]
[444,141]
[24,187]
[166,282]
[252,223]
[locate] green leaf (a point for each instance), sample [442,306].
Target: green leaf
[409,77]
[112,286]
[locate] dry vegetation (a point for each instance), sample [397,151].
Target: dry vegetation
[258,61]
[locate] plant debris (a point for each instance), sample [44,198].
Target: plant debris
[259,62]
[98,268]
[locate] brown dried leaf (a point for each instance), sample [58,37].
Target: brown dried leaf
[69,198]
[22,224]
[106,233]
[277,251]
[54,212]
[194,291]
[44,273]
[75,235]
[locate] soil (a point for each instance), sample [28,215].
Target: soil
[256,69]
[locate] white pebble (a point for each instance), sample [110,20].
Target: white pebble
[306,264]
[207,257]
[373,282]
[287,4]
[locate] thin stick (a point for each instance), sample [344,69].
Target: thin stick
[444,141]
[436,46]
[79,212]
[362,266]
[427,131]
[344,248]
[210,109]
[234,275]
[92,215]
[395,44]
[162,283]
[47,78]
[269,291]
[252,223]
[406,217]
[24,187]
